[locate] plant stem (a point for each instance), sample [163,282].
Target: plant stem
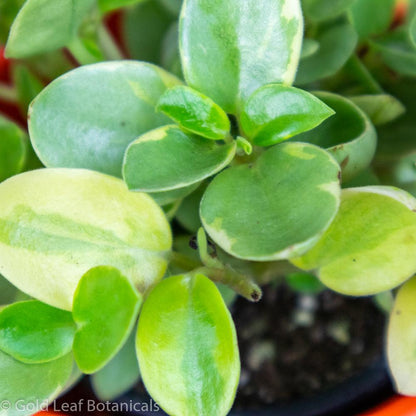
[7,93]
[107,44]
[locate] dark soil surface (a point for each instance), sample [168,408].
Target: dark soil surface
[294,345]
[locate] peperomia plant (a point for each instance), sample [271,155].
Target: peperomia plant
[259,171]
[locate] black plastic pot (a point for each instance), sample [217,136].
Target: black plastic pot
[360,393]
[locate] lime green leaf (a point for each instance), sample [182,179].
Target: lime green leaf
[336,44]
[44,25]
[12,148]
[304,283]
[272,223]
[119,375]
[187,348]
[145,27]
[275,113]
[397,51]
[380,108]
[371,17]
[320,10]
[181,159]
[401,339]
[102,108]
[105,309]
[375,235]
[24,386]
[348,135]
[227,56]
[55,224]
[34,332]
[195,112]
[110,5]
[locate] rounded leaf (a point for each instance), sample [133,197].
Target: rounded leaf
[105,308]
[276,112]
[320,10]
[168,158]
[237,56]
[370,246]
[285,201]
[195,112]
[12,148]
[348,135]
[401,339]
[87,117]
[336,44]
[25,386]
[34,332]
[56,224]
[187,347]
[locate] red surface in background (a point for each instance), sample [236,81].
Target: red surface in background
[398,406]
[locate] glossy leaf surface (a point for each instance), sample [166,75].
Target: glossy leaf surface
[181,160]
[55,224]
[276,112]
[348,135]
[187,347]
[22,385]
[105,309]
[195,112]
[375,231]
[401,339]
[44,25]
[285,201]
[12,148]
[34,332]
[237,57]
[87,118]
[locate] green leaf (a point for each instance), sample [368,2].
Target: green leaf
[412,30]
[309,47]
[275,113]
[371,17]
[401,340]
[195,112]
[187,347]
[174,6]
[320,10]
[44,25]
[119,375]
[105,309]
[34,333]
[169,197]
[26,386]
[188,212]
[336,44]
[12,148]
[102,108]
[236,57]
[181,159]
[28,86]
[348,135]
[8,12]
[7,292]
[284,201]
[56,224]
[145,27]
[397,51]
[380,108]
[170,57]
[110,5]
[304,283]
[375,234]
